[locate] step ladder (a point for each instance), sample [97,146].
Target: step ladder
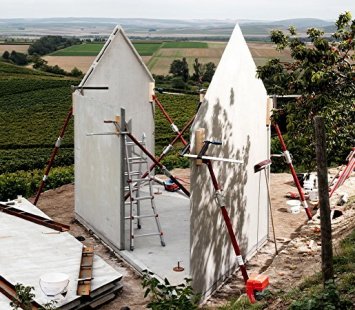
[134,162]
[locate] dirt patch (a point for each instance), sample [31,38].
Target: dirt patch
[13,47]
[67,63]
[297,259]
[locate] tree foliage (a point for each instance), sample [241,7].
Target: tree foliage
[322,73]
[180,68]
[6,55]
[49,44]
[18,58]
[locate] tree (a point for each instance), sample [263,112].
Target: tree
[209,70]
[6,55]
[198,71]
[322,73]
[76,72]
[180,68]
[18,58]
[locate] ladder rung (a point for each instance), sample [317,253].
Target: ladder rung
[144,216]
[135,158]
[146,235]
[132,143]
[140,180]
[142,198]
[133,173]
[138,162]
[140,216]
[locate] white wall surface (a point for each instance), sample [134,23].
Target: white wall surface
[97,158]
[233,112]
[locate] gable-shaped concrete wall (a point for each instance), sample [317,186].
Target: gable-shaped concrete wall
[97,158]
[233,112]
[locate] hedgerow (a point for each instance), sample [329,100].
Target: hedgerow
[26,182]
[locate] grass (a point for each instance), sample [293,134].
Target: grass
[92,49]
[184,44]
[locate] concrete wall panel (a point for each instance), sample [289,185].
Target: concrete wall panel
[97,158]
[234,113]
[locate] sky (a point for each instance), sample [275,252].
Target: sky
[177,9]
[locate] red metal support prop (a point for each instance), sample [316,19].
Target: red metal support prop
[288,159]
[344,174]
[123,131]
[173,126]
[222,205]
[170,145]
[53,155]
[256,282]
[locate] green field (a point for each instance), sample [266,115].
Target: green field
[33,106]
[185,44]
[92,49]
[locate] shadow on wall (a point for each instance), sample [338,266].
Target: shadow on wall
[212,254]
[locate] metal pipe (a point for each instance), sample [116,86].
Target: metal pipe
[293,171]
[53,155]
[173,126]
[227,221]
[235,161]
[165,171]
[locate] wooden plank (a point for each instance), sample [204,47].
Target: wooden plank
[199,140]
[85,273]
[33,218]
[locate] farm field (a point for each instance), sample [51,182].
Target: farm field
[159,55]
[33,106]
[22,48]
[67,63]
[92,49]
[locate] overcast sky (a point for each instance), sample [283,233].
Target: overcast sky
[180,9]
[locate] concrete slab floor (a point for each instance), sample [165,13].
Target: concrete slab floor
[148,253]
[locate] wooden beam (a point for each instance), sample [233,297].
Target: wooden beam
[85,273]
[199,141]
[33,218]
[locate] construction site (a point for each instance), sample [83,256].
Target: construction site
[227,223]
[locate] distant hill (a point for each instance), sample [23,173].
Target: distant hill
[91,27]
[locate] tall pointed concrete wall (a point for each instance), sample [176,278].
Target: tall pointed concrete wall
[97,158]
[234,112]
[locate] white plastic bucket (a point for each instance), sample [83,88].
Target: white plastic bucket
[313,195]
[54,283]
[293,206]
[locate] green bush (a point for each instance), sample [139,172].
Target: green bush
[328,299]
[25,183]
[166,296]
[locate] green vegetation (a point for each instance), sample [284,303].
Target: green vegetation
[25,297]
[184,44]
[311,294]
[92,49]
[25,183]
[33,106]
[49,44]
[146,49]
[163,295]
[324,76]
[86,49]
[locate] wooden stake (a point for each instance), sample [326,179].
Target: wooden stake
[269,108]
[199,139]
[325,220]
